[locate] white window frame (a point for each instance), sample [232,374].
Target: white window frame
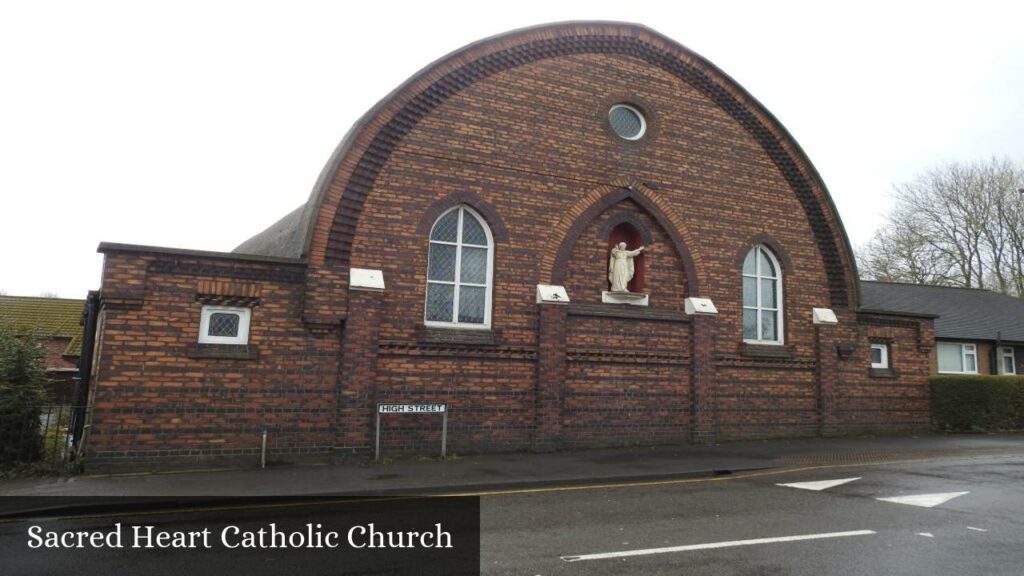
[1005,352]
[245,316]
[779,299]
[488,287]
[884,364]
[966,350]
[633,109]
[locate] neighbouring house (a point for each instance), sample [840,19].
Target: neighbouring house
[976,331]
[57,325]
[456,250]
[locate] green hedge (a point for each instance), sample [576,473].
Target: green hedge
[977,403]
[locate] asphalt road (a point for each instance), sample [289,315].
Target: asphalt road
[742,524]
[980,532]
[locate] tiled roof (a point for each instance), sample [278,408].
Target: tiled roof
[45,318]
[966,313]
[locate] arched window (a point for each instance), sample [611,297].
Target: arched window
[459,270]
[762,297]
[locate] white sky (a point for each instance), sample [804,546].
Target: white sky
[197,124]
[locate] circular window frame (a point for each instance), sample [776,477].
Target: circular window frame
[634,110]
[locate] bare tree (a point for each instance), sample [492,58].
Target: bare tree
[955,225]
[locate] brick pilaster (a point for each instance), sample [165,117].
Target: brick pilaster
[825,342]
[551,372]
[702,401]
[356,390]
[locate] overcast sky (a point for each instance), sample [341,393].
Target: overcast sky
[195,125]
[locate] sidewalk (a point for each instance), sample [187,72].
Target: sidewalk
[504,471]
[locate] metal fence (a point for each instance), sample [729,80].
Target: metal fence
[39,439]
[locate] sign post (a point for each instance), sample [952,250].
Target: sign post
[441,409]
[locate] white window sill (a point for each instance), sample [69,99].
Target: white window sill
[764,342]
[456,326]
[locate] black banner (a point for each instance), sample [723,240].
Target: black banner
[251,536]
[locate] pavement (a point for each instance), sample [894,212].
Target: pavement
[494,472]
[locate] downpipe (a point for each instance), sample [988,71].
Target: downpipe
[263,450]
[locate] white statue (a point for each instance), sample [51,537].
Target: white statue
[620,267]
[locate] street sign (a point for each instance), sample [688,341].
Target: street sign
[441,409]
[411,408]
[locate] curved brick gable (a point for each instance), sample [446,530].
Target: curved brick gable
[517,49]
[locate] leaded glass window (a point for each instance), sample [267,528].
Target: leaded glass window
[224,325]
[459,270]
[762,297]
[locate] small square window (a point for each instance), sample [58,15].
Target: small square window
[224,325]
[880,356]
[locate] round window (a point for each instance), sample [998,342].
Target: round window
[627,122]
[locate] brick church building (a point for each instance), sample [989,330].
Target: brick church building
[455,250]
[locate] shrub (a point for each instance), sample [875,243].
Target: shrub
[21,399]
[977,403]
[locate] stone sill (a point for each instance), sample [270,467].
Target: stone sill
[223,352]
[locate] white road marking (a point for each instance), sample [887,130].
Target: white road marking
[924,500]
[712,545]
[820,484]
[926,534]
[977,529]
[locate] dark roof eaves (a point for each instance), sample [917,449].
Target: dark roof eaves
[1003,341]
[940,287]
[896,313]
[106,247]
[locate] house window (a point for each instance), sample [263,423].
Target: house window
[224,325]
[1007,361]
[459,271]
[957,358]
[762,297]
[880,356]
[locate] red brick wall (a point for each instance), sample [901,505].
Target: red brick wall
[155,397]
[55,358]
[60,374]
[874,402]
